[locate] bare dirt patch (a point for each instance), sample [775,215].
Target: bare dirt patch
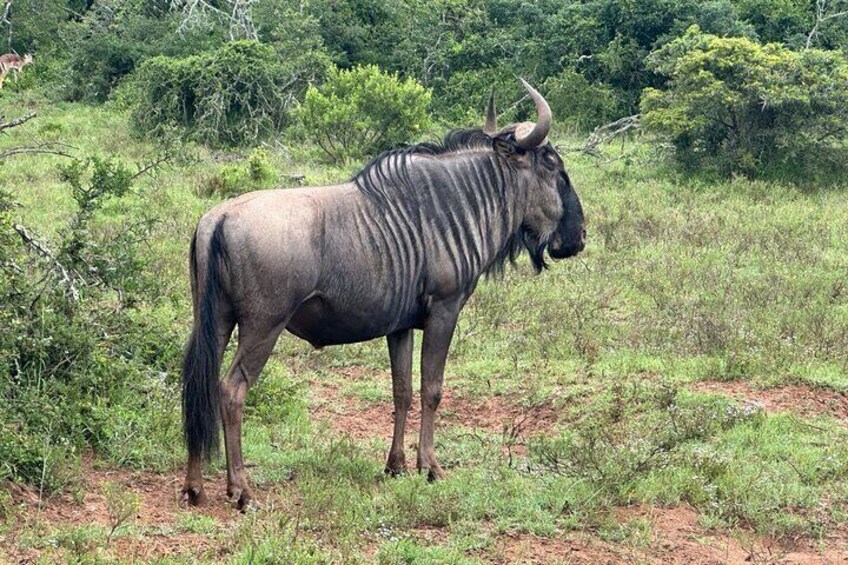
[367,420]
[675,537]
[798,399]
[159,513]
[577,548]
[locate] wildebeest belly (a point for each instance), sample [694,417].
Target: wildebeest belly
[321,323]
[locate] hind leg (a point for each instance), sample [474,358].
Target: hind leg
[254,349]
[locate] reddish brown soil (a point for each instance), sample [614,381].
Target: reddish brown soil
[365,421]
[368,420]
[798,399]
[675,536]
[159,508]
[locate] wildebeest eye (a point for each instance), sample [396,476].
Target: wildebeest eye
[551,159]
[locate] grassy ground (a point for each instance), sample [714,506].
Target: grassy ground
[676,393]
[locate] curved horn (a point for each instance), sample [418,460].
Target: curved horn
[491,117]
[543,121]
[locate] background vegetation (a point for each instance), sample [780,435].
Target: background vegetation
[731,86]
[716,263]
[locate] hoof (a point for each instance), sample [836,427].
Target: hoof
[396,464]
[434,473]
[242,500]
[395,471]
[192,496]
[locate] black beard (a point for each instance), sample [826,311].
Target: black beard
[536,249]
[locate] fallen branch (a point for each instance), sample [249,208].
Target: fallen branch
[297,178]
[43,149]
[607,133]
[43,251]
[16,122]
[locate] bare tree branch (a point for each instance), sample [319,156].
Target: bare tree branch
[43,149]
[42,250]
[607,133]
[16,122]
[47,147]
[821,17]
[7,10]
[238,14]
[142,169]
[4,19]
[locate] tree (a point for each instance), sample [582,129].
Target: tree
[578,103]
[363,111]
[734,105]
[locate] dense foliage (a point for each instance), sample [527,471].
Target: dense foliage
[230,72]
[736,106]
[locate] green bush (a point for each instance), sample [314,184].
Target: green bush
[460,99]
[237,178]
[82,346]
[107,60]
[240,93]
[734,106]
[362,112]
[106,41]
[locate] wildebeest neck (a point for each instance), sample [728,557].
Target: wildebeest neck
[463,206]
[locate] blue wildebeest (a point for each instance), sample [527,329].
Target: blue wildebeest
[399,247]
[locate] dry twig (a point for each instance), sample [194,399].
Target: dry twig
[42,250]
[4,125]
[607,133]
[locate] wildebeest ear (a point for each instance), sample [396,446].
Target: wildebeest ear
[504,148]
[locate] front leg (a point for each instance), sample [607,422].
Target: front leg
[400,354]
[438,332]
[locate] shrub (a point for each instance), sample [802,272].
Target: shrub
[103,44]
[258,168]
[82,345]
[363,111]
[240,93]
[238,178]
[734,106]
[462,96]
[108,59]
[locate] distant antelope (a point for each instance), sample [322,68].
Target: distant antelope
[12,61]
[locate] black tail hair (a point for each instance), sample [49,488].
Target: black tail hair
[202,363]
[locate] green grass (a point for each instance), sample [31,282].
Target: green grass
[681,282]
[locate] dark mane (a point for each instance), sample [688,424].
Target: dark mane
[455,140]
[386,180]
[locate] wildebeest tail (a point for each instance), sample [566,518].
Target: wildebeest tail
[202,363]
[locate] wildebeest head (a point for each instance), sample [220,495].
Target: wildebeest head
[554,218]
